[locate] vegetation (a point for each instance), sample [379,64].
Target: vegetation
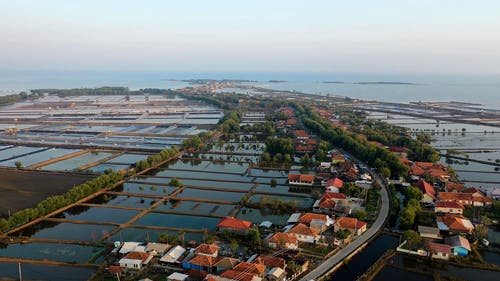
[8,99]
[278,150]
[343,234]
[353,143]
[175,182]
[19,165]
[408,214]
[414,241]
[394,203]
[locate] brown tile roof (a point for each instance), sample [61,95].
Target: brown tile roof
[271,261]
[301,177]
[308,217]
[197,274]
[227,263]
[338,183]
[350,223]
[333,195]
[439,248]
[207,249]
[426,188]
[455,196]
[231,222]
[454,186]
[281,237]
[473,190]
[302,229]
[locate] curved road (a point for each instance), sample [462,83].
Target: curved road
[328,264]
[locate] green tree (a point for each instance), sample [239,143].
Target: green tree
[175,182]
[413,239]
[407,217]
[18,164]
[273,182]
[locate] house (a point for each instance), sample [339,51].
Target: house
[429,232]
[173,255]
[326,203]
[196,274]
[495,194]
[465,199]
[271,261]
[207,250]
[301,179]
[255,269]
[301,134]
[334,185]
[318,221]
[176,276]
[226,263]
[449,207]
[454,224]
[352,224]
[234,225]
[131,247]
[338,158]
[200,262]
[454,186]
[157,249]
[439,251]
[459,245]
[305,233]
[135,260]
[300,148]
[428,191]
[282,240]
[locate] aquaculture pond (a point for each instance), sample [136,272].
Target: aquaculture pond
[146,181]
[178,221]
[139,234]
[50,251]
[259,215]
[145,188]
[209,166]
[97,214]
[38,157]
[233,157]
[128,158]
[392,273]
[45,272]
[210,194]
[68,231]
[203,175]
[362,261]
[78,161]
[125,201]
[17,151]
[197,208]
[281,189]
[101,168]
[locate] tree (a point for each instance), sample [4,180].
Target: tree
[343,234]
[359,214]
[254,236]
[413,239]
[234,245]
[305,160]
[407,217]
[19,165]
[175,182]
[273,182]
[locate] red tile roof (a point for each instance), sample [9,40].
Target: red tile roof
[202,260]
[237,275]
[137,256]
[426,188]
[207,249]
[473,190]
[456,222]
[301,177]
[333,195]
[231,222]
[350,223]
[115,269]
[308,217]
[281,237]
[454,186]
[302,229]
[338,183]
[455,196]
[253,268]
[442,204]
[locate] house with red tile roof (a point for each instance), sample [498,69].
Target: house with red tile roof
[305,233]
[282,240]
[301,179]
[326,204]
[271,261]
[301,134]
[354,225]
[338,158]
[207,250]
[232,275]
[454,224]
[465,199]
[300,148]
[448,207]
[234,225]
[252,268]
[318,221]
[454,186]
[334,185]
[226,263]
[428,191]
[200,262]
[135,260]
[439,251]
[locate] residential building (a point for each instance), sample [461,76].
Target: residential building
[157,249]
[428,191]
[454,224]
[255,269]
[135,260]
[282,240]
[305,233]
[207,250]
[439,251]
[334,185]
[301,179]
[448,207]
[226,263]
[459,245]
[319,221]
[234,225]
[176,276]
[354,225]
[173,255]
[429,232]
[200,262]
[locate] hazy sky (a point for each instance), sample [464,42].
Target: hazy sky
[390,36]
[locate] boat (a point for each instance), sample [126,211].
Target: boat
[485,242]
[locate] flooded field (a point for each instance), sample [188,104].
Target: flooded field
[50,251]
[78,161]
[45,272]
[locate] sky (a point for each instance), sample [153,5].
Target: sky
[357,36]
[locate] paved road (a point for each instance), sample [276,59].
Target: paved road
[324,267]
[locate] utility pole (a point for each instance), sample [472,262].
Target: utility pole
[20,272]
[117,276]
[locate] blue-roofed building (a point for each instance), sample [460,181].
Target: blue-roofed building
[459,245]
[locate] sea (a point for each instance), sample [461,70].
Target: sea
[482,90]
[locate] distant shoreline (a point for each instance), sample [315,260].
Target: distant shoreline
[372,83]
